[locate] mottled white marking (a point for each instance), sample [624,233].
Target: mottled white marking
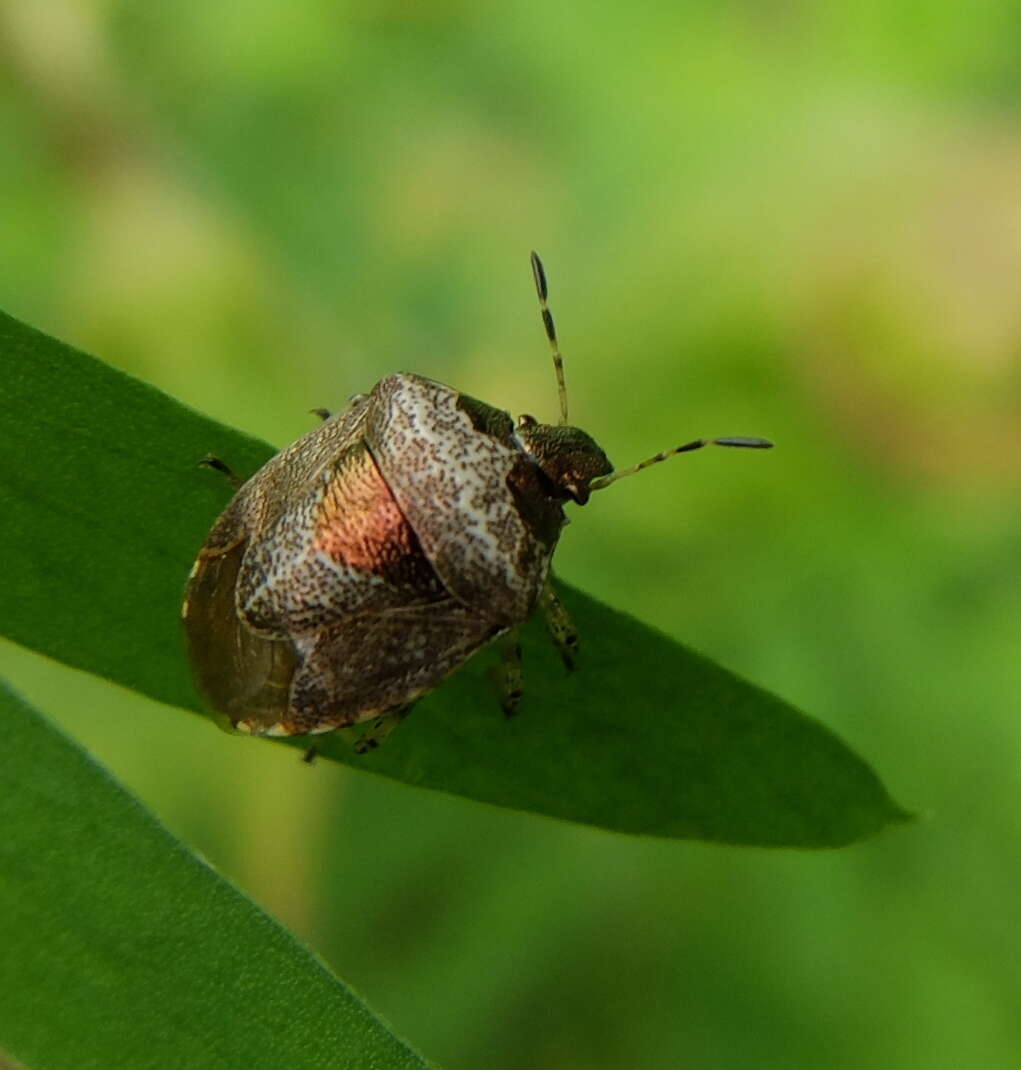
[366,642]
[450,481]
[276,730]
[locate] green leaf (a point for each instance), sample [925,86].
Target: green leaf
[120,948]
[102,510]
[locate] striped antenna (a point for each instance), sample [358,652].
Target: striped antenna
[551,333]
[745,443]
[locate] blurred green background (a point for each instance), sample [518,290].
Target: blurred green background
[797,220]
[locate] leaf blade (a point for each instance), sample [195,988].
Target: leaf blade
[731,764]
[120,946]
[647,737]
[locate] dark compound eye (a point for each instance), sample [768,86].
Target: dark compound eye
[524,420]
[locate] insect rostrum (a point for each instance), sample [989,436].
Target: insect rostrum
[368,560]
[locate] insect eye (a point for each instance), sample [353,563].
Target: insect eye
[524,420]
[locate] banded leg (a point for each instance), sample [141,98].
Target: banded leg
[560,626]
[381,728]
[508,675]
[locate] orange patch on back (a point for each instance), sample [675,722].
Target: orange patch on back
[360,524]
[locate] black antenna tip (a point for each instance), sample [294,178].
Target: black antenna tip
[540,276]
[746,443]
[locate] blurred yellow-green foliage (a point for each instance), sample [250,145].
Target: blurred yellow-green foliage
[797,220]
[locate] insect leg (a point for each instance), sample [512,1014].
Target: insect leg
[209,461]
[560,626]
[508,675]
[381,727]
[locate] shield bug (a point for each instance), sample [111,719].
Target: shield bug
[367,561]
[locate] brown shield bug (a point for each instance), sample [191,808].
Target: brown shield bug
[367,561]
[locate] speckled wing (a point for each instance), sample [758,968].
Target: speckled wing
[344,548]
[450,479]
[286,478]
[315,538]
[240,672]
[374,662]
